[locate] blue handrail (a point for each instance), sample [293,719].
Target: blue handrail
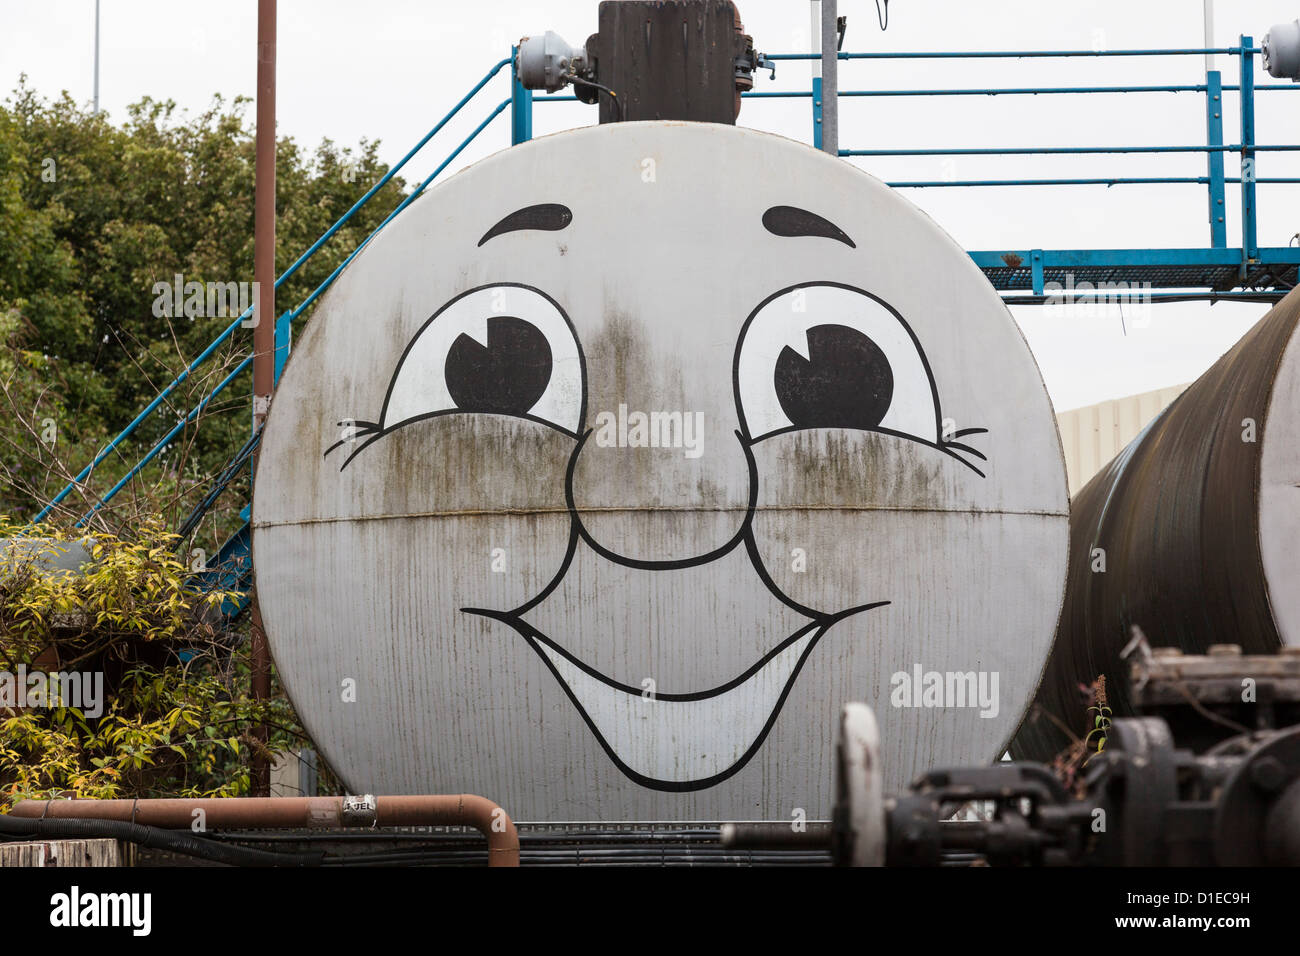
[993,91]
[1093,181]
[1056,150]
[166,440]
[248,361]
[1214,148]
[1017,54]
[229,330]
[405,202]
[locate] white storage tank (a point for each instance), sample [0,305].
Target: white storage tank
[660,441]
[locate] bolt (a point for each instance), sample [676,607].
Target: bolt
[1268,774]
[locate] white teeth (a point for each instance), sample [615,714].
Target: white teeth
[682,741]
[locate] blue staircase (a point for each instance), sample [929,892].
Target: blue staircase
[232,570]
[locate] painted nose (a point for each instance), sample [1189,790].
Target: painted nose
[661,488]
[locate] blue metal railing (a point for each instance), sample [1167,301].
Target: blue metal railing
[1249,243]
[1213,88]
[282,324]
[1015,54]
[1039,264]
[1243,266]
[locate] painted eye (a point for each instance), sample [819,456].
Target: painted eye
[502,350]
[844,381]
[508,374]
[830,356]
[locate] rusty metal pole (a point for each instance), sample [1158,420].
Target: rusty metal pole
[263,327]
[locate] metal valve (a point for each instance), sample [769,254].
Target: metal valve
[1281,48]
[548,63]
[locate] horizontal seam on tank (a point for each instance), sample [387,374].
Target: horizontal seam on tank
[526,512]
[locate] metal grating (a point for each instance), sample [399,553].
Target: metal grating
[640,844]
[1137,275]
[658,844]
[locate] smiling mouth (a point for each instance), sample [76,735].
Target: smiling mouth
[680,742]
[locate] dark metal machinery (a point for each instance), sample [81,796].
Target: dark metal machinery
[652,60]
[1232,800]
[670,60]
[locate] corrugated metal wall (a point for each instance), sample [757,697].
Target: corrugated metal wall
[1093,435]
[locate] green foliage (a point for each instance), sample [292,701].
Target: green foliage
[1101,722]
[1068,765]
[175,717]
[92,215]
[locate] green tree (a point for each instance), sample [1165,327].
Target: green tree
[92,216]
[166,711]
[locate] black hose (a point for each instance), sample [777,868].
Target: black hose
[154,838]
[613,97]
[227,474]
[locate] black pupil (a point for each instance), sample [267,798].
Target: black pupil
[507,376]
[845,382]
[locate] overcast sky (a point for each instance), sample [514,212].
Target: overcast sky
[389,69]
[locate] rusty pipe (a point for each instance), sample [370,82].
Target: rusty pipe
[264,215]
[464,809]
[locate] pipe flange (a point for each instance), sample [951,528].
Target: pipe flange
[1242,818]
[360,811]
[1147,785]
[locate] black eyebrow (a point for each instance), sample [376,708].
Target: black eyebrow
[793,221]
[550,216]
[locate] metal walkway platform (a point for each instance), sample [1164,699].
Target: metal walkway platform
[1213,273]
[1121,273]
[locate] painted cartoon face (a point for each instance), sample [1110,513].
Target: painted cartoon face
[615,465]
